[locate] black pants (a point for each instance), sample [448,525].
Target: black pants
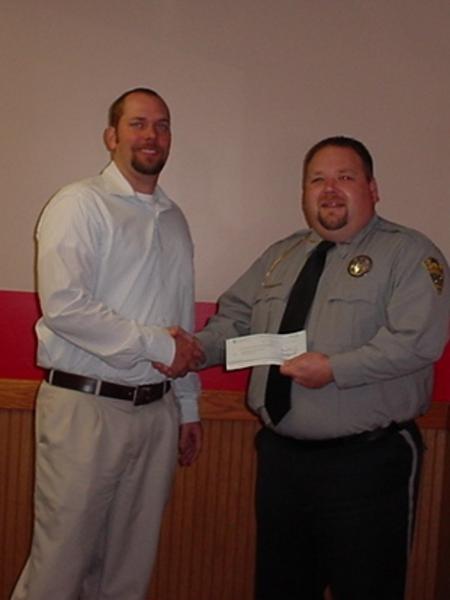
[340,516]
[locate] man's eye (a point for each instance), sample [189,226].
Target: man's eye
[346,178]
[163,127]
[136,124]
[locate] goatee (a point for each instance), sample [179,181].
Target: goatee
[147,169]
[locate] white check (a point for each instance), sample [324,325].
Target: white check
[264,349]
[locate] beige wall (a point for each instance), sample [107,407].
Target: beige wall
[252,84]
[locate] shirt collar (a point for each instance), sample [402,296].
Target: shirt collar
[343,248]
[118,185]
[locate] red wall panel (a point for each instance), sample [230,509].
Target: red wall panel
[20,310]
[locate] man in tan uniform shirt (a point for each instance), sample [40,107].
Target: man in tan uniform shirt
[338,473]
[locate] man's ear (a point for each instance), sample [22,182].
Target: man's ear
[110,138]
[374,190]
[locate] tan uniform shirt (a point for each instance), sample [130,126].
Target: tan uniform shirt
[381,312]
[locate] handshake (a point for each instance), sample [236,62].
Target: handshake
[189,355]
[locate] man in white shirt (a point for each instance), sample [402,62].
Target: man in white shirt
[115,274]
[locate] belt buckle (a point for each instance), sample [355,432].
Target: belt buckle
[135,398]
[142,395]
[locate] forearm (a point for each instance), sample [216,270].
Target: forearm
[233,318]
[94,328]
[384,358]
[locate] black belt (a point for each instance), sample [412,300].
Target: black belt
[356,438]
[139,394]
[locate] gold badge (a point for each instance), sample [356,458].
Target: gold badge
[436,271]
[360,265]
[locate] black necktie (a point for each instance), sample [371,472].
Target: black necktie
[278,390]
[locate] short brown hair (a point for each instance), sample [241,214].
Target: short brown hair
[116,109]
[342,141]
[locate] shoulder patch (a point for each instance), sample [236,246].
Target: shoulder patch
[436,271]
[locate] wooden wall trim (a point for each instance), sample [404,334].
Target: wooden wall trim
[215,405]
[218,405]
[18,394]
[437,417]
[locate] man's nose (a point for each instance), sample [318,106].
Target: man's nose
[330,184]
[150,132]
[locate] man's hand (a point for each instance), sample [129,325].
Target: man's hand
[311,369]
[188,354]
[190,443]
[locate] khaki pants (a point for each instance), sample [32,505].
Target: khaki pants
[103,474]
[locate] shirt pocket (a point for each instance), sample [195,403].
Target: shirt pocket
[350,316]
[268,308]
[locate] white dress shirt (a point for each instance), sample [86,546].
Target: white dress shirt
[114,269]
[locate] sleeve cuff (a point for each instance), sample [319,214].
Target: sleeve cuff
[344,371]
[189,410]
[161,346]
